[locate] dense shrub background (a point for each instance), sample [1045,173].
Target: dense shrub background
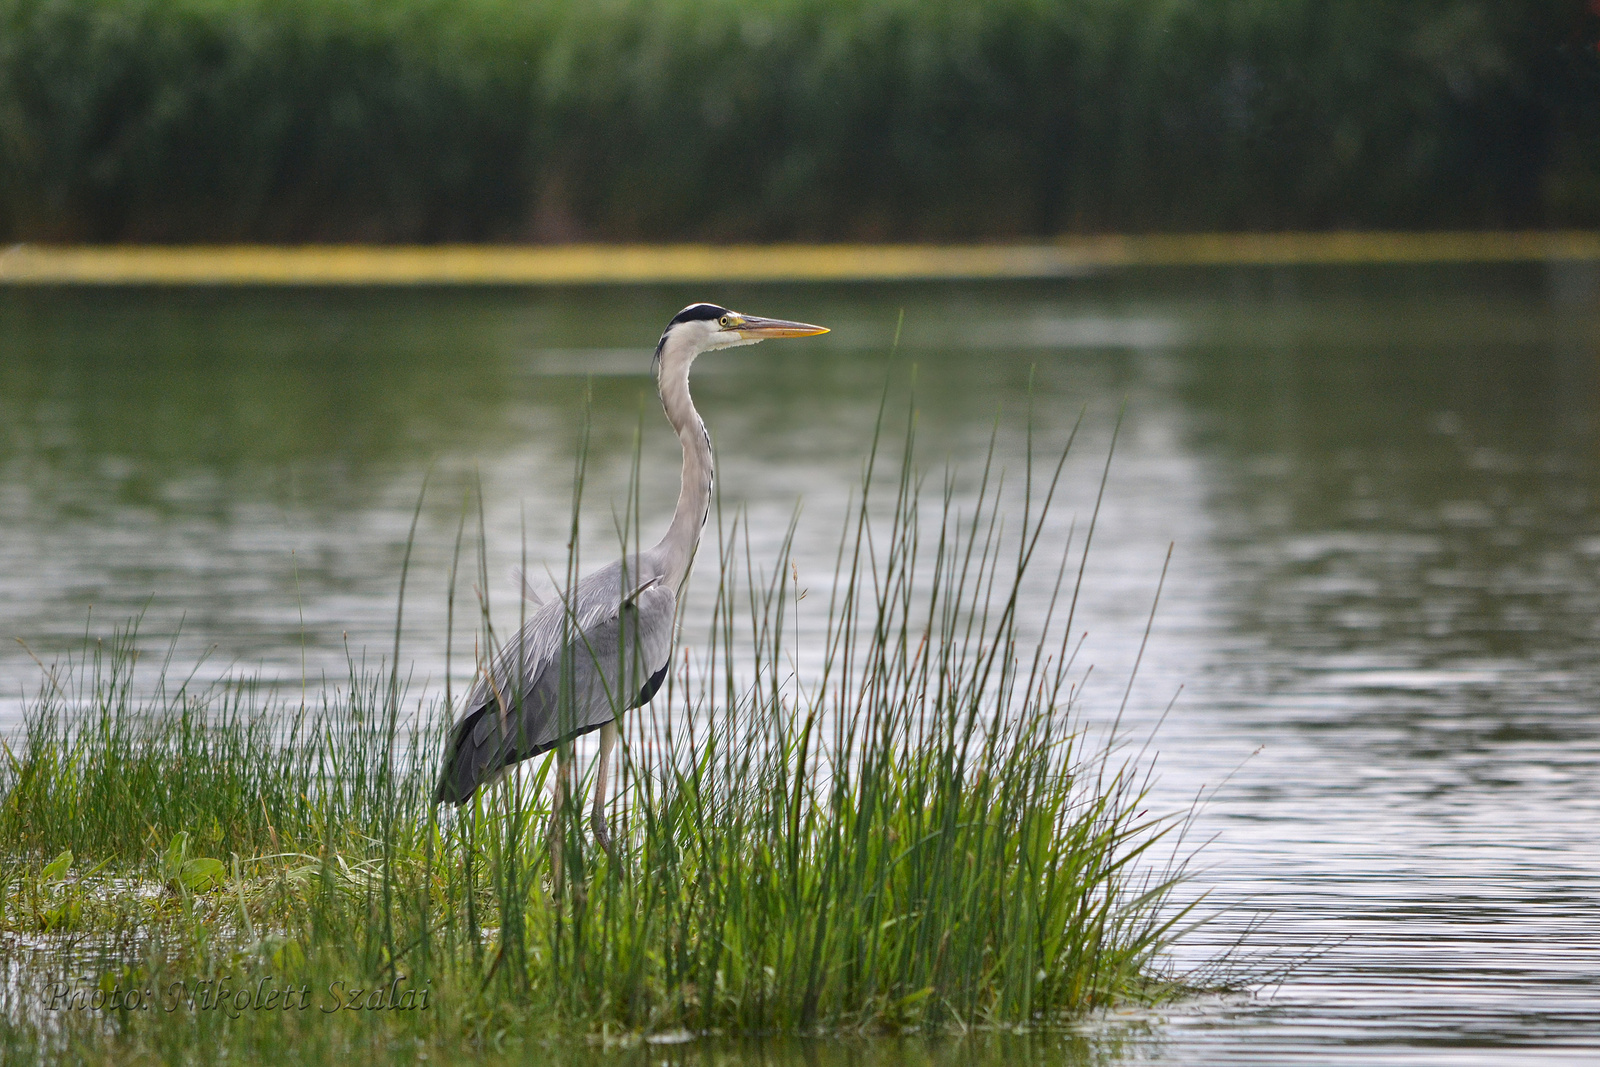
[442,120]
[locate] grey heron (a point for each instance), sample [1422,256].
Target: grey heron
[586,656]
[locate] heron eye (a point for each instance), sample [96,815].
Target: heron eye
[726,321]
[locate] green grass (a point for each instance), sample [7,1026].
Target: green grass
[108,773]
[433,120]
[913,837]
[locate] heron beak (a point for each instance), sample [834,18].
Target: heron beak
[754,328]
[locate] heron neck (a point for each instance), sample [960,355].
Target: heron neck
[694,493]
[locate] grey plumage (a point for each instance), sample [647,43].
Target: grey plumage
[586,657]
[575,665]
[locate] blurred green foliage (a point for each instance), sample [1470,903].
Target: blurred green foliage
[438,120]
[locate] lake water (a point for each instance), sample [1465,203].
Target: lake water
[1382,489]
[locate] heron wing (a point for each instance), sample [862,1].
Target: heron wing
[573,667]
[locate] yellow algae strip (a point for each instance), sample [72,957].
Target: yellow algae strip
[625,264]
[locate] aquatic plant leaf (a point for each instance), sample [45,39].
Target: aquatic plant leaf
[177,849]
[202,875]
[64,916]
[56,870]
[196,875]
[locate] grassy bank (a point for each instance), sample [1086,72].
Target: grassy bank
[915,836]
[368,265]
[361,120]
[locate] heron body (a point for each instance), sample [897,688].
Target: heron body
[586,656]
[571,669]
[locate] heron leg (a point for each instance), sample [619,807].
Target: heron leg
[597,820]
[553,835]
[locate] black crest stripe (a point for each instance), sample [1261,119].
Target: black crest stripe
[696,313]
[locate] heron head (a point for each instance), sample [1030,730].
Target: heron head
[709,326]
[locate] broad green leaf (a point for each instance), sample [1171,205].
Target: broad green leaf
[172,862]
[200,875]
[56,869]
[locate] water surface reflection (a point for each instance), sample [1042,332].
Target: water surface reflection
[1381,487]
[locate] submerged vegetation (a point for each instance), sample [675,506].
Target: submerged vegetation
[912,834]
[467,120]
